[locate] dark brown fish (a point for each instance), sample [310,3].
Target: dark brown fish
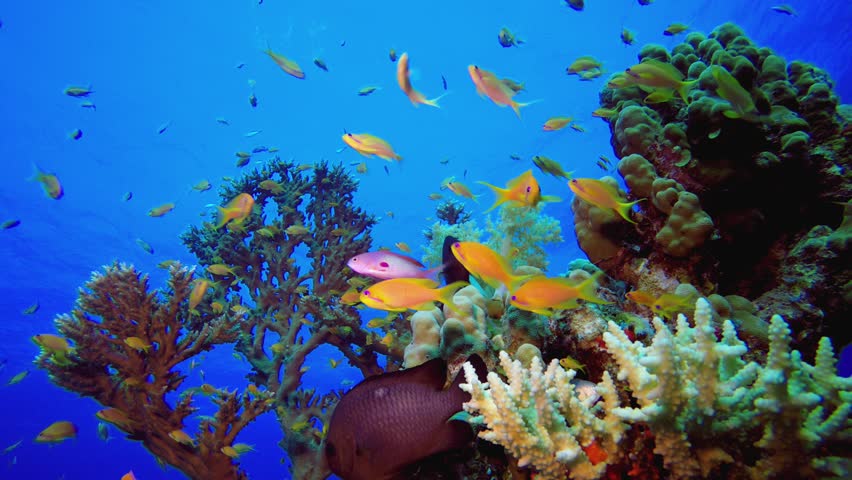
[453,270]
[390,422]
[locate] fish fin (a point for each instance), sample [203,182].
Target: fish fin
[588,289]
[624,210]
[731,114]
[567,305]
[517,106]
[550,199]
[433,102]
[432,273]
[445,295]
[424,282]
[683,89]
[221,218]
[499,192]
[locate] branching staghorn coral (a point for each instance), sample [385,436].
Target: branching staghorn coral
[539,418]
[293,307]
[697,394]
[132,378]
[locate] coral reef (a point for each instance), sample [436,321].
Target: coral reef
[742,182]
[525,230]
[706,410]
[294,306]
[127,342]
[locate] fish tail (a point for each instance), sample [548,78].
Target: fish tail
[434,101]
[624,210]
[38,174]
[683,89]
[445,295]
[588,290]
[221,218]
[501,194]
[518,106]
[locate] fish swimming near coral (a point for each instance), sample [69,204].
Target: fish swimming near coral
[371,433]
[386,265]
[453,270]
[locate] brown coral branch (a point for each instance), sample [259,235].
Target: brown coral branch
[133,377]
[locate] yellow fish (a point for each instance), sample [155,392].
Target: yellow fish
[49,183]
[603,195]
[182,437]
[286,64]
[556,123]
[487,265]
[401,294]
[458,188]
[334,363]
[657,74]
[740,100]
[368,145]
[570,363]
[221,269]
[523,190]
[18,378]
[236,211]
[57,432]
[271,186]
[137,343]
[403,246]
[161,210]
[198,291]
[542,295]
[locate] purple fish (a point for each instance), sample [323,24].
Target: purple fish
[386,265]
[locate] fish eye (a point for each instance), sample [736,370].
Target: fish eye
[658,307]
[457,245]
[366,292]
[574,181]
[384,264]
[348,134]
[514,298]
[529,189]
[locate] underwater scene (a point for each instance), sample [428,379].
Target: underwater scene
[269,239]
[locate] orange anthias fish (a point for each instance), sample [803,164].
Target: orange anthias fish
[57,432]
[603,195]
[458,188]
[489,85]
[641,297]
[401,294]
[368,145]
[542,295]
[487,265]
[402,78]
[128,476]
[556,123]
[286,64]
[198,291]
[49,182]
[523,190]
[236,211]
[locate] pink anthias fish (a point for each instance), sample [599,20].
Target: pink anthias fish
[386,265]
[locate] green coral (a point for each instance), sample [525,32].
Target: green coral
[526,230]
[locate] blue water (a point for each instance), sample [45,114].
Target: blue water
[156,63]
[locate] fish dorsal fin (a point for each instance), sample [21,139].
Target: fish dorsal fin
[519,179]
[432,374]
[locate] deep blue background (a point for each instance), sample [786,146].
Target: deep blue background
[155,62]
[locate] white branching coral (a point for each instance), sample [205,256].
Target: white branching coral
[691,388]
[541,420]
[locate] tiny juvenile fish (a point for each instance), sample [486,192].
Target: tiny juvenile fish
[10,224]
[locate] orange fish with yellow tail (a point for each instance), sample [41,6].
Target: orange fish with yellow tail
[487,84]
[369,145]
[404,81]
[487,265]
[401,294]
[543,295]
[603,195]
[236,211]
[523,190]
